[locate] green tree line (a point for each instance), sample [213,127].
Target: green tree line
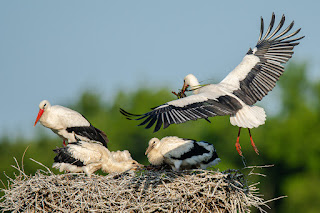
[289,139]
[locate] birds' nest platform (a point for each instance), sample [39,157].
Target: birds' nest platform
[144,191]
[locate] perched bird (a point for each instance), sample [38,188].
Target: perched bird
[68,124]
[89,157]
[235,95]
[181,153]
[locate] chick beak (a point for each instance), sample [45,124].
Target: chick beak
[148,150]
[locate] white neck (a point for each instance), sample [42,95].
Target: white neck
[155,157]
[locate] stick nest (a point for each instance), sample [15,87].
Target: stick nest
[144,191]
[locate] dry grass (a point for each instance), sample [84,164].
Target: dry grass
[145,191]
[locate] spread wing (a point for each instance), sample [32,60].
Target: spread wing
[250,81]
[262,66]
[185,109]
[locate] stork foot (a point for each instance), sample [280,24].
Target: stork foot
[238,147]
[254,147]
[252,143]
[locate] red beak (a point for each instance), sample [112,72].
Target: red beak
[39,116]
[185,86]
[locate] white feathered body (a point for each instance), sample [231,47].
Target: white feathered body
[181,153]
[121,156]
[246,117]
[59,118]
[70,125]
[89,157]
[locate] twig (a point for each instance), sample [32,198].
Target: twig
[41,165]
[146,191]
[22,164]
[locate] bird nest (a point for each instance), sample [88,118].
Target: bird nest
[143,191]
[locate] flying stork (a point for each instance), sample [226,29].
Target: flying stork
[237,93]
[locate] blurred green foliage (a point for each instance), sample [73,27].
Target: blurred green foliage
[290,139]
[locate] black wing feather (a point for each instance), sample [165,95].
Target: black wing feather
[273,50]
[90,132]
[169,114]
[65,156]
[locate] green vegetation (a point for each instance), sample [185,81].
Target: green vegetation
[289,139]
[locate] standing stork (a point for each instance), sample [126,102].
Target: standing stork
[236,94]
[68,124]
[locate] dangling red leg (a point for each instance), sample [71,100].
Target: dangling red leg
[64,143]
[252,143]
[238,147]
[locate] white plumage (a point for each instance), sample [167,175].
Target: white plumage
[88,157]
[121,156]
[68,124]
[247,117]
[181,153]
[248,83]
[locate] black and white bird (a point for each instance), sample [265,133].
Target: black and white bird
[190,81]
[68,124]
[181,153]
[89,157]
[235,95]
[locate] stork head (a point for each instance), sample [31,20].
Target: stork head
[154,143]
[190,81]
[119,167]
[135,165]
[42,107]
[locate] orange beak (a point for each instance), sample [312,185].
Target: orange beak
[39,116]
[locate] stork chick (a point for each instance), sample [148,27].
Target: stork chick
[121,156]
[88,157]
[181,153]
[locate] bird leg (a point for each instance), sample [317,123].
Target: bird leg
[64,143]
[238,147]
[252,143]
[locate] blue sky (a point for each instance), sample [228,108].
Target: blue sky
[54,50]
